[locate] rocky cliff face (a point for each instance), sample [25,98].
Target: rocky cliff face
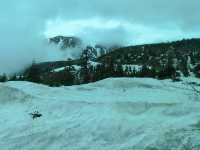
[65,42]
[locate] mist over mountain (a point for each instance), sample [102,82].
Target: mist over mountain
[25,25]
[100,75]
[169,60]
[65,42]
[73,46]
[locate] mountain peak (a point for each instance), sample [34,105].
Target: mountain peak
[65,42]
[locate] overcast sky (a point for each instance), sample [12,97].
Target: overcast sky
[24,24]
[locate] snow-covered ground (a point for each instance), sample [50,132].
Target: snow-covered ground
[113,114]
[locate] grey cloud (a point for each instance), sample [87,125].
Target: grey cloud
[22,23]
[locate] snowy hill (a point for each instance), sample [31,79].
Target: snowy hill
[118,114]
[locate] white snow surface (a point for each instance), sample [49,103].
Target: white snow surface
[76,67]
[113,114]
[137,68]
[58,69]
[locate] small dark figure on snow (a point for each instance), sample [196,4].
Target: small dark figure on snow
[35,115]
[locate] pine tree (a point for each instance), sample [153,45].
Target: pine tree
[13,78]
[144,71]
[168,72]
[85,57]
[119,71]
[34,74]
[109,67]
[3,78]
[127,71]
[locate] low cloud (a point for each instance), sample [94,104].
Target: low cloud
[24,25]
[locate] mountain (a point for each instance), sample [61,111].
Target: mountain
[103,50]
[184,55]
[161,60]
[65,42]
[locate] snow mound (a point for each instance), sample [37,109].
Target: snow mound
[116,113]
[10,95]
[128,83]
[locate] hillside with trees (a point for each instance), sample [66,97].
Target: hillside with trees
[162,61]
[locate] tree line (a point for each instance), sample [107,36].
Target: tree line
[91,73]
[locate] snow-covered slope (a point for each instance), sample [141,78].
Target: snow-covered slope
[113,114]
